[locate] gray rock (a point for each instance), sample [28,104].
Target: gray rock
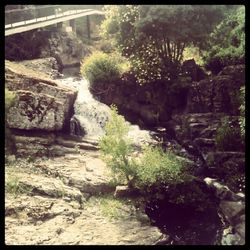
[10,158]
[48,65]
[41,102]
[231,209]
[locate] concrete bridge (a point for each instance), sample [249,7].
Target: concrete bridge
[58,17]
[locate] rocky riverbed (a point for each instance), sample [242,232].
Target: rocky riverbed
[63,193]
[69,200]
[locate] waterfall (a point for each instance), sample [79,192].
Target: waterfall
[90,116]
[75,127]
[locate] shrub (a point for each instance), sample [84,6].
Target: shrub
[228,136]
[106,46]
[116,147]
[10,98]
[227,42]
[101,68]
[156,166]
[153,167]
[153,37]
[15,187]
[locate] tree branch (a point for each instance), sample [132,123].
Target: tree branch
[169,50]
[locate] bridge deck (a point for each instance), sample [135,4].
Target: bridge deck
[36,23]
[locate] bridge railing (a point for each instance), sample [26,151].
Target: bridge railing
[36,12]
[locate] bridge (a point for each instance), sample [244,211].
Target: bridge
[35,18]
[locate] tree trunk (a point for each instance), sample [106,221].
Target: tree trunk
[88,27]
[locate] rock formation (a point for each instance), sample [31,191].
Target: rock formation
[232,207]
[42,104]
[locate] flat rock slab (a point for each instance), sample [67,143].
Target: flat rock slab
[68,225]
[50,213]
[47,186]
[36,220]
[86,172]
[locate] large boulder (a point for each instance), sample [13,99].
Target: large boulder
[65,47]
[232,209]
[48,65]
[42,103]
[196,125]
[217,93]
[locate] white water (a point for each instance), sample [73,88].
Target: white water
[93,115]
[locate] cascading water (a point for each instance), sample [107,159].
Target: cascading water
[90,116]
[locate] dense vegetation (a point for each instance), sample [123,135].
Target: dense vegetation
[226,44]
[153,38]
[101,68]
[152,167]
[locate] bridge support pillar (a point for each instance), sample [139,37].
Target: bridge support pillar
[72,23]
[88,26]
[59,25]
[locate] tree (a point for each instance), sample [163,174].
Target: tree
[226,44]
[116,148]
[153,38]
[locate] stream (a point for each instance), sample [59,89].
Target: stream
[181,222]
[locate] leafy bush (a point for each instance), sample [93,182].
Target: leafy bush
[106,46]
[228,136]
[154,166]
[227,42]
[242,111]
[101,68]
[10,98]
[116,147]
[13,186]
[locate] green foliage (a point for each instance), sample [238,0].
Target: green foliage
[111,207]
[103,68]
[106,46]
[228,136]
[13,186]
[192,52]
[242,111]
[116,147]
[156,166]
[226,45]
[10,99]
[153,37]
